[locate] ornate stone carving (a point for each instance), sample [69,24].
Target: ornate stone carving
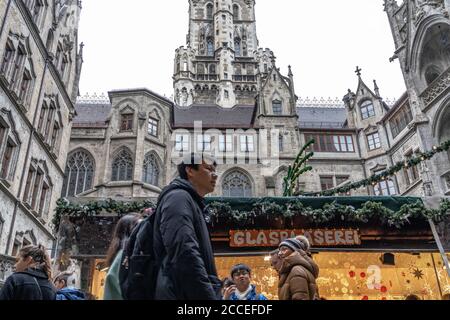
[439,86]
[6,267]
[427,7]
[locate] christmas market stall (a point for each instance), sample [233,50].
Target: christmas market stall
[367,248]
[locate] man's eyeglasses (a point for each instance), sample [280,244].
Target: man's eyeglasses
[241,273]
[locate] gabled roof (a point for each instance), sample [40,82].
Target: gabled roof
[214,116]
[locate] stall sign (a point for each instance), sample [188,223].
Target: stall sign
[272,238]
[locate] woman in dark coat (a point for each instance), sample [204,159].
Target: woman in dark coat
[32,279]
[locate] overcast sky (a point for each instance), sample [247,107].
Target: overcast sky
[132,44]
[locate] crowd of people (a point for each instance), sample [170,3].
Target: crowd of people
[181,241]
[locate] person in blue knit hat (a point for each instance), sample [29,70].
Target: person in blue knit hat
[242,289]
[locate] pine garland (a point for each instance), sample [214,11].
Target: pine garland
[383,176]
[222,212]
[94,208]
[370,210]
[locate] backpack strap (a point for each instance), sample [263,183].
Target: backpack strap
[39,287]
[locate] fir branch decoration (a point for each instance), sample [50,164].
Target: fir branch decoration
[222,212]
[65,208]
[383,176]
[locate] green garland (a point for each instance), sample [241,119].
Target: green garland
[385,175]
[223,213]
[65,208]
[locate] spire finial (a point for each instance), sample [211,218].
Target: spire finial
[377,90]
[358,71]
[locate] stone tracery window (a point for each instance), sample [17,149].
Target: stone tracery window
[122,168]
[151,170]
[237,184]
[210,46]
[79,175]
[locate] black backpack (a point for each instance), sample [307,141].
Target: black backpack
[139,266]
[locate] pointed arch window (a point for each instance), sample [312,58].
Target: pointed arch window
[122,168]
[237,184]
[210,47]
[235,12]
[209,11]
[151,170]
[237,47]
[79,175]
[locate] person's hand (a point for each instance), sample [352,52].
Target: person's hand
[228,292]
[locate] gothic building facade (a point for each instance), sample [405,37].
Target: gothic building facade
[39,73]
[231,99]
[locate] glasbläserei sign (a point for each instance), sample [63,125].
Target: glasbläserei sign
[272,238]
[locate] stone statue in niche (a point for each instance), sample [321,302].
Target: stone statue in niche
[184,97]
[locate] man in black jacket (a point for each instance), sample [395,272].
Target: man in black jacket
[181,236]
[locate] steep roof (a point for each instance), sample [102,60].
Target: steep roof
[213,116]
[314,117]
[91,114]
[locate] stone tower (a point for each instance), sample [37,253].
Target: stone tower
[220,62]
[421,31]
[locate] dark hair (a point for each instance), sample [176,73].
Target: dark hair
[64,276]
[40,256]
[121,233]
[412,297]
[240,267]
[191,161]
